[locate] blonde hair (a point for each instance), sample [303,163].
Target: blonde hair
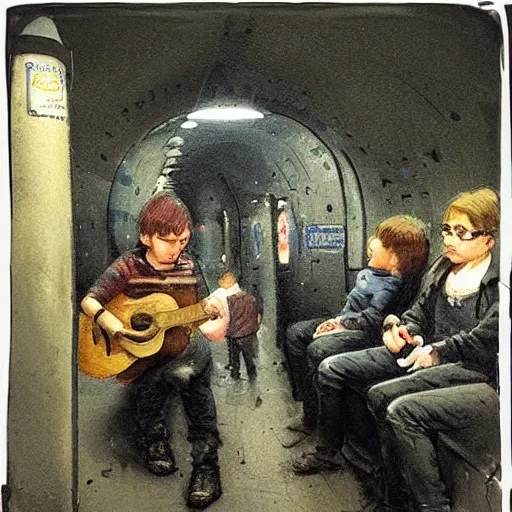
[406,237]
[481,206]
[227,280]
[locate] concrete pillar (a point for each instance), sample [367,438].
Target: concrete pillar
[41,438]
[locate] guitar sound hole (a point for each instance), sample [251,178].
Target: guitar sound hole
[141,321]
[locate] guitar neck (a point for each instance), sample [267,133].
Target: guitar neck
[182,316]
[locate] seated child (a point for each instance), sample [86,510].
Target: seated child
[398,254]
[244,321]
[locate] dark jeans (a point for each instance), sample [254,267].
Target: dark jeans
[189,374]
[244,346]
[304,355]
[414,423]
[361,370]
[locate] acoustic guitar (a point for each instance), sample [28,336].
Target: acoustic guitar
[155,327]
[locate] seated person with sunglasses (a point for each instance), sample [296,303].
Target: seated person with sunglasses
[452,327]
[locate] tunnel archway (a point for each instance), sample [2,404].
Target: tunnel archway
[222,169]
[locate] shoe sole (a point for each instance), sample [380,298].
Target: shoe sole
[160,470]
[327,468]
[203,504]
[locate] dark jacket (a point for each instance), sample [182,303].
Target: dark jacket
[243,315]
[476,349]
[372,297]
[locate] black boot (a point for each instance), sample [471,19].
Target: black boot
[156,451]
[160,459]
[204,486]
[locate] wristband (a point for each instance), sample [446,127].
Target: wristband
[98,314]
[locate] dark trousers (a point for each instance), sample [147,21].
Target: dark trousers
[413,424]
[188,374]
[304,355]
[244,346]
[361,370]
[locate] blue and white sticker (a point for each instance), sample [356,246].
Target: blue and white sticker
[325,237]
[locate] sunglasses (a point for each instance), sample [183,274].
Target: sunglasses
[462,233]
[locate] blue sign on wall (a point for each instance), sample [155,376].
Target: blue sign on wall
[325,237]
[257,239]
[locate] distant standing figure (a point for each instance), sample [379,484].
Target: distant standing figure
[244,321]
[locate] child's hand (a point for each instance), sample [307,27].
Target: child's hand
[212,307]
[396,338]
[420,357]
[328,325]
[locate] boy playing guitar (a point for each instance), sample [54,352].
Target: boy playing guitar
[184,362]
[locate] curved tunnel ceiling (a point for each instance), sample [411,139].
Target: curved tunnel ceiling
[275,155]
[403,96]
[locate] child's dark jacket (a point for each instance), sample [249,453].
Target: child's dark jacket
[243,312]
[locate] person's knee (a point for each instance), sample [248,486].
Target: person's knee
[293,333]
[378,401]
[297,338]
[381,395]
[327,374]
[373,399]
[294,330]
[315,354]
[194,373]
[402,412]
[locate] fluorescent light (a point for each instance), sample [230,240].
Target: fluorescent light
[188,125]
[175,142]
[225,114]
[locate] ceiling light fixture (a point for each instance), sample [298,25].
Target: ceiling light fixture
[188,125]
[225,114]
